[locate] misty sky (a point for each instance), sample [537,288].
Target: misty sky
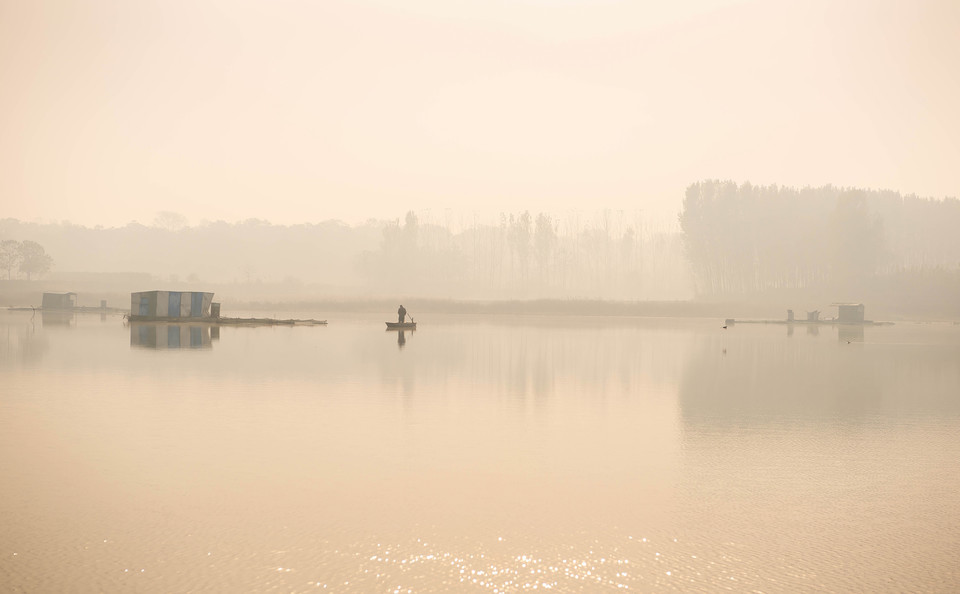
[111,111]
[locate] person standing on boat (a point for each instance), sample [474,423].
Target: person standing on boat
[401,314]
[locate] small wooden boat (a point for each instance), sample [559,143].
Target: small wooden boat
[403,326]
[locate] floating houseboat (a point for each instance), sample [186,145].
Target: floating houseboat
[192,306]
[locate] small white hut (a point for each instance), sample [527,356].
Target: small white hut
[850,313]
[58,301]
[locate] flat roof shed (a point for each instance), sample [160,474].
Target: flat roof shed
[59,301]
[850,313]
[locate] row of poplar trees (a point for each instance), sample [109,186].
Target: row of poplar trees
[607,256]
[741,238]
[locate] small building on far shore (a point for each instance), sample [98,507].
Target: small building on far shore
[58,301]
[850,313]
[171,304]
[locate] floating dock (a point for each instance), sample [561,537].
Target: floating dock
[221,321]
[830,322]
[850,314]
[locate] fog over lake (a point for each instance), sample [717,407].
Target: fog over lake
[479,453]
[680,287]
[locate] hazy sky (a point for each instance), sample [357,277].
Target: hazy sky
[111,111]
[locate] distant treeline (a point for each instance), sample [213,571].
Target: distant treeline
[524,256]
[744,239]
[249,252]
[737,242]
[609,255]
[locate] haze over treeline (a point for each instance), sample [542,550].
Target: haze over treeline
[601,255]
[734,242]
[825,243]
[745,238]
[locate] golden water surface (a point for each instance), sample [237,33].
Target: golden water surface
[484,454]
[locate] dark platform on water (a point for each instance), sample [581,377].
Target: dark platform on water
[730,321]
[221,321]
[77,309]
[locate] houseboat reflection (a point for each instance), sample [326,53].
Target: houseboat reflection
[171,336]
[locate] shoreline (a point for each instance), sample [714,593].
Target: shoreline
[741,312]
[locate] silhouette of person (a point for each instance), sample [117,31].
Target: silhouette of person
[401,314]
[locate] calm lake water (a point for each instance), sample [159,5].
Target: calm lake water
[479,454]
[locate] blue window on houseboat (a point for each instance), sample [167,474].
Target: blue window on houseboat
[174,310]
[196,304]
[144,305]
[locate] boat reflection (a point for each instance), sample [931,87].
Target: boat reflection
[149,335]
[401,339]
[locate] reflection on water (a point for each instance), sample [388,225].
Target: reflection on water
[757,375]
[57,318]
[157,335]
[401,336]
[498,455]
[845,332]
[23,343]
[850,333]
